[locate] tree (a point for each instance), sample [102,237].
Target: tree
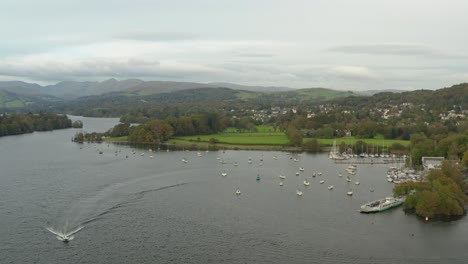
[294,136]
[77,124]
[311,146]
[465,159]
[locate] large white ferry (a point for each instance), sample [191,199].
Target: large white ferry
[381,205]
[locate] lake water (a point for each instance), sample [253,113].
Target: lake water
[160,210]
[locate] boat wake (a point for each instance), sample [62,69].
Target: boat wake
[91,209]
[64,235]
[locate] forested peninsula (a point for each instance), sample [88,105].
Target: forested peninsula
[22,123]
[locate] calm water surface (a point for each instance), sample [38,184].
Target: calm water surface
[161,210]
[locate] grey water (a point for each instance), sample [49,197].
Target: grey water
[160,210]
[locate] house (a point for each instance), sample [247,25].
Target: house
[432,162]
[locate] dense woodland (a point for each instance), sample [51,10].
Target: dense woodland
[16,124]
[443,194]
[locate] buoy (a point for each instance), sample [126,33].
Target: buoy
[427,218]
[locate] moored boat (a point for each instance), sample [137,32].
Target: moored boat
[381,205]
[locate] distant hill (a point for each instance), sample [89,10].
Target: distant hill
[316,94]
[14,101]
[72,89]
[155,87]
[372,92]
[251,88]
[20,88]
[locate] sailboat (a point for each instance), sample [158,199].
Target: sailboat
[334,152]
[238,192]
[357,180]
[258,177]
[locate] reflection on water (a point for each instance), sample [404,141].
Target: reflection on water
[162,210]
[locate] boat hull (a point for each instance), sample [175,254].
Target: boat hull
[366,209]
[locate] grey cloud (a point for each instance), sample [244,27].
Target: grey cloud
[53,70]
[155,36]
[353,72]
[255,55]
[393,49]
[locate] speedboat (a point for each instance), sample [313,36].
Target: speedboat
[65,239]
[331,187]
[306,183]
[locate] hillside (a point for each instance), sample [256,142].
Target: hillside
[72,89]
[157,101]
[10,101]
[441,99]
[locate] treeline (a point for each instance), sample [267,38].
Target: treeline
[453,146]
[157,131]
[442,195]
[20,123]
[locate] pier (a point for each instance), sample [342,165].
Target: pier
[367,161]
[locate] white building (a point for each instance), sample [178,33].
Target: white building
[432,162]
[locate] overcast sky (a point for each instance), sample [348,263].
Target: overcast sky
[339,44]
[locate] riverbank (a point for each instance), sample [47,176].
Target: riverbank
[255,141]
[194,145]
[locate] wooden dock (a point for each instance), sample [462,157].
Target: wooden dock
[367,161]
[361,162]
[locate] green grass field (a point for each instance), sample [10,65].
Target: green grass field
[266,137]
[258,138]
